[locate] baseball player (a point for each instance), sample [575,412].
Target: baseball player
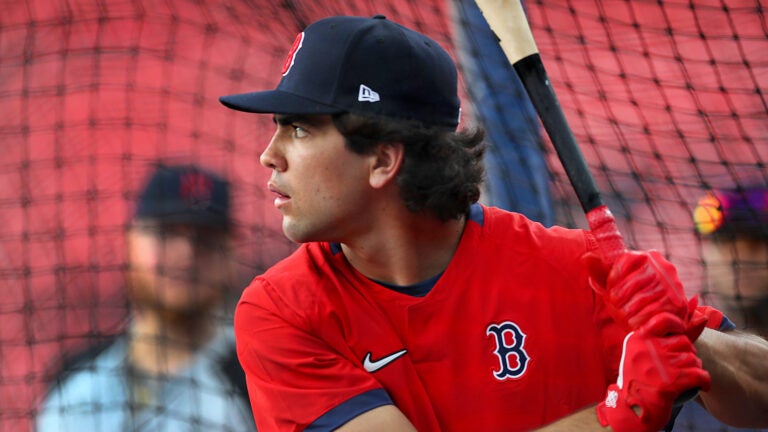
[408,305]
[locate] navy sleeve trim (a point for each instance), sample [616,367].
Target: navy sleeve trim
[726,324]
[350,409]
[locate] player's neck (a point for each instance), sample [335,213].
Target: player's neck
[407,251]
[159,346]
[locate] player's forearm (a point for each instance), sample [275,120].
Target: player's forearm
[738,364]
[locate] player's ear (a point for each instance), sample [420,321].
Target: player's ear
[386,163]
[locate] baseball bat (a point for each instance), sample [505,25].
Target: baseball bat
[508,21]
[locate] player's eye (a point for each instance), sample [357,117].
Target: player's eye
[299,132]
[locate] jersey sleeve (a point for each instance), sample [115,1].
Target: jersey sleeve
[294,378]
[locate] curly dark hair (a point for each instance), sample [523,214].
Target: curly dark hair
[442,170]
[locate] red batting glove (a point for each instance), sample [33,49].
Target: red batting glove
[711,317]
[697,318]
[701,317]
[658,363]
[639,286]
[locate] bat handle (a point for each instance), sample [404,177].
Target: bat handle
[686,396]
[603,226]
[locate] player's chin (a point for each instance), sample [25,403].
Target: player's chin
[298,232]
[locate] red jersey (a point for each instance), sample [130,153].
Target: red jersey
[510,337]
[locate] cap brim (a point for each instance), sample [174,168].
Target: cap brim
[276,102]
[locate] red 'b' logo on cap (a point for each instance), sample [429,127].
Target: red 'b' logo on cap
[292,54]
[196,189]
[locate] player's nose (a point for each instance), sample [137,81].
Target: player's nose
[271,157]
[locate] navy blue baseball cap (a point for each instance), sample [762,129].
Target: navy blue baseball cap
[368,66]
[185,194]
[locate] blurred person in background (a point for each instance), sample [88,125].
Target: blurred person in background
[733,227]
[174,368]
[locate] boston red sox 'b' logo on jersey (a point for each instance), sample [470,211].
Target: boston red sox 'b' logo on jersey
[510,341]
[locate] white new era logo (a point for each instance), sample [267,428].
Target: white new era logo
[367,95]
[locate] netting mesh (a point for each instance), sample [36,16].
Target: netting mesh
[666,99]
[91,94]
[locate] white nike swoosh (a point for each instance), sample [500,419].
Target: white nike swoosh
[372,366]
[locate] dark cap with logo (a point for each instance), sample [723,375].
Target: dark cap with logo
[185,194]
[742,211]
[368,66]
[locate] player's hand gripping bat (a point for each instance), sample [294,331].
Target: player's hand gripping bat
[507,20]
